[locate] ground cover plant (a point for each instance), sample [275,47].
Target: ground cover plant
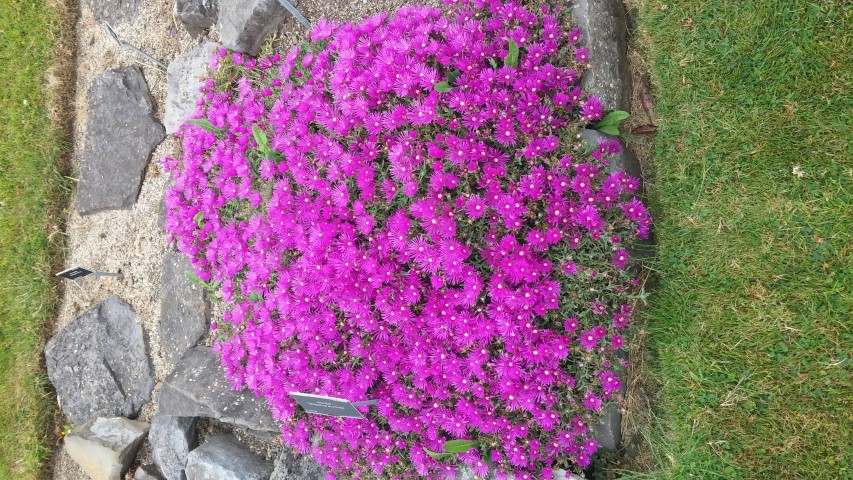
[31,192]
[752,198]
[401,210]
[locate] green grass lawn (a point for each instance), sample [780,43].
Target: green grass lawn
[751,324]
[31,191]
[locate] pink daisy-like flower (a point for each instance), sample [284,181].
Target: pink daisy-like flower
[588,339]
[609,381]
[592,401]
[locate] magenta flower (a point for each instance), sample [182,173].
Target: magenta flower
[588,339]
[609,381]
[591,401]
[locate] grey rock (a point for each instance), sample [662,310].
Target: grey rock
[105,447]
[172,439]
[626,160]
[197,16]
[113,12]
[197,388]
[98,364]
[224,458]
[184,77]
[147,472]
[184,308]
[608,433]
[244,24]
[564,475]
[290,466]
[264,435]
[121,132]
[605,32]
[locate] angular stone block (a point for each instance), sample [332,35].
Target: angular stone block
[291,466]
[197,388]
[184,77]
[244,24]
[106,447]
[629,163]
[172,439]
[147,472]
[98,364]
[605,33]
[184,308]
[121,132]
[197,16]
[626,160]
[224,458]
[113,12]
[608,433]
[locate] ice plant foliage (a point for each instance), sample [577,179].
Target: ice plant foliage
[456,255]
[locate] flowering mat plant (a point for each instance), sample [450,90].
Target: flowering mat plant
[401,210]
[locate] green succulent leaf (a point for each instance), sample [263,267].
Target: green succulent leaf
[198,218]
[609,129]
[442,87]
[458,446]
[255,297]
[436,455]
[452,76]
[511,59]
[262,140]
[613,118]
[204,124]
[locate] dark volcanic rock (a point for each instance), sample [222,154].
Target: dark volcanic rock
[147,472]
[224,458]
[172,439]
[184,309]
[605,33]
[121,133]
[183,78]
[198,388]
[197,16]
[626,160]
[608,433]
[113,12]
[98,364]
[244,24]
[299,467]
[106,447]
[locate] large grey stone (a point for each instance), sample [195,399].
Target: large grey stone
[98,364]
[626,160]
[244,24]
[147,472]
[172,439]
[105,447]
[184,77]
[184,308]
[291,466]
[197,388]
[121,132]
[224,458]
[197,15]
[560,474]
[113,12]
[608,432]
[605,32]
